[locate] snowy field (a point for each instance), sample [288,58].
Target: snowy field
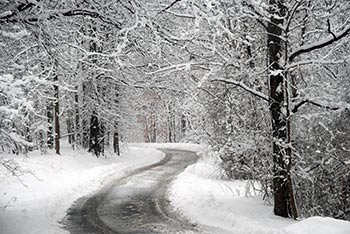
[233,207]
[36,204]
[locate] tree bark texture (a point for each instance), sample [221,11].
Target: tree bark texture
[281,188]
[50,117]
[94,144]
[56,116]
[116,147]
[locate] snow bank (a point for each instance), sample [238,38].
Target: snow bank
[319,225]
[56,182]
[234,207]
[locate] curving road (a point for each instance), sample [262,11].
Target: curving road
[134,204]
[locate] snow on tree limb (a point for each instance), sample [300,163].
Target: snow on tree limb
[168,7]
[315,61]
[244,86]
[327,106]
[10,16]
[320,44]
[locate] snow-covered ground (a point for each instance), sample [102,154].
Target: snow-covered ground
[233,207]
[198,193]
[38,204]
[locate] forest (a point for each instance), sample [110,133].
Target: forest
[264,83]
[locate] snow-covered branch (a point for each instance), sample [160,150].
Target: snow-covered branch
[314,61]
[320,44]
[12,16]
[326,106]
[245,87]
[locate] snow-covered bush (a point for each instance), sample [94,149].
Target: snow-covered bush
[14,110]
[323,171]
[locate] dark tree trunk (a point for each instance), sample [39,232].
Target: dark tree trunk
[94,144]
[77,119]
[56,116]
[154,129]
[170,130]
[85,112]
[171,125]
[183,125]
[116,147]
[70,128]
[281,187]
[146,131]
[116,138]
[101,138]
[49,114]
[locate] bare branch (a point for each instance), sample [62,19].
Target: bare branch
[170,6]
[300,104]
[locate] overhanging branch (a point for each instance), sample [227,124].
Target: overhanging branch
[170,6]
[300,104]
[245,87]
[72,12]
[320,44]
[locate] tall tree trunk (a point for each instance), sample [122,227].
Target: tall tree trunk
[183,126]
[49,115]
[116,147]
[154,129]
[170,129]
[281,186]
[70,127]
[77,119]
[56,116]
[146,131]
[94,144]
[101,137]
[116,138]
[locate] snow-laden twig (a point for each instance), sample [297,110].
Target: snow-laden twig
[244,86]
[328,106]
[321,43]
[13,167]
[16,170]
[12,200]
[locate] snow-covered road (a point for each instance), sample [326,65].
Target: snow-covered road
[37,207]
[137,203]
[142,191]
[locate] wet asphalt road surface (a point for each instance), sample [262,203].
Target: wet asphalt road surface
[135,204]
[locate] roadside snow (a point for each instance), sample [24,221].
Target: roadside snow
[56,182]
[233,207]
[198,193]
